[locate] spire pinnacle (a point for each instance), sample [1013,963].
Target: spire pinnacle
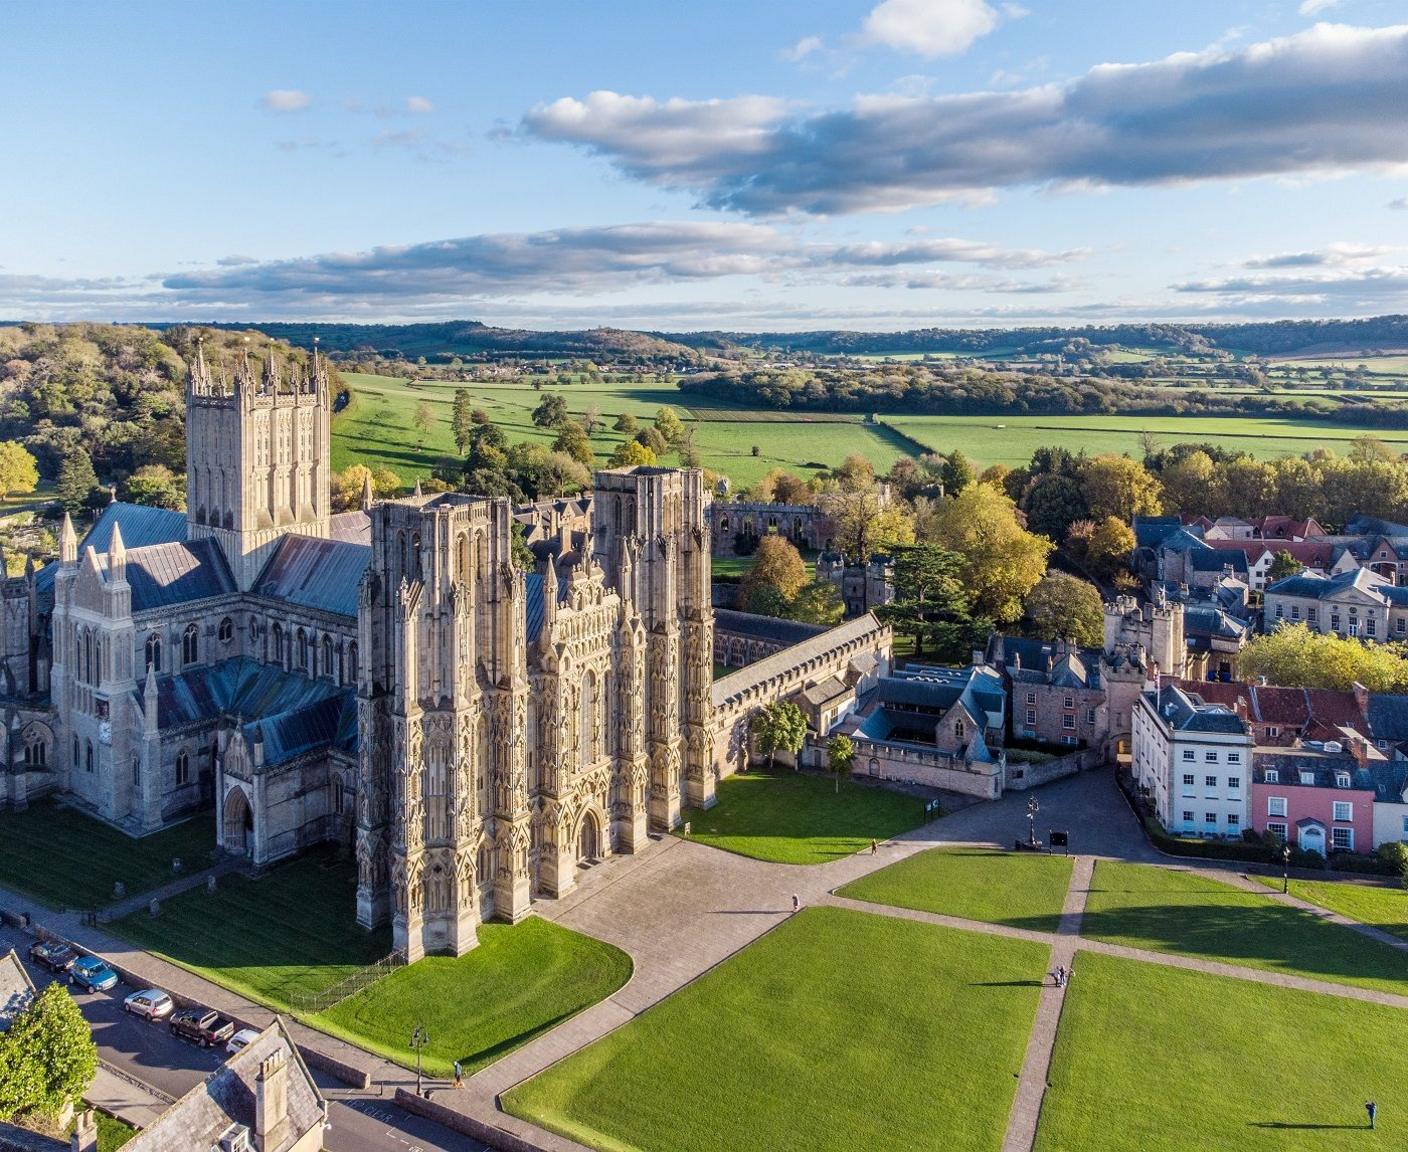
[368,497]
[68,542]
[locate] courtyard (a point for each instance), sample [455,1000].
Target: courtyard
[791,817]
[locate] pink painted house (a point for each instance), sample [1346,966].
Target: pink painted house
[1317,799]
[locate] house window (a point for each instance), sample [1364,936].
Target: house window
[1342,839]
[1187,816]
[1210,757]
[1270,731]
[190,645]
[1271,776]
[1031,697]
[1313,614]
[183,767]
[1275,805]
[1277,830]
[1090,715]
[1233,820]
[1307,779]
[1371,626]
[1210,818]
[1341,779]
[1068,721]
[153,653]
[1399,624]
[1344,810]
[1234,783]
[958,729]
[1404,834]
[1210,781]
[227,630]
[1031,715]
[1234,757]
[1279,610]
[1070,701]
[1187,779]
[1189,754]
[1354,628]
[1295,611]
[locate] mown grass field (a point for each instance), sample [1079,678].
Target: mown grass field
[836,1031]
[379,429]
[1384,908]
[1020,889]
[1155,1059]
[1011,440]
[521,980]
[1167,911]
[292,930]
[794,818]
[65,859]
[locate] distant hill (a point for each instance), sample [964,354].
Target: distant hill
[470,337]
[1275,338]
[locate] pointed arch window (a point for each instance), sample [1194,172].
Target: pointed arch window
[190,645]
[183,767]
[329,668]
[278,644]
[154,653]
[302,650]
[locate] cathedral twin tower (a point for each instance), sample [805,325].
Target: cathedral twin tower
[520,721]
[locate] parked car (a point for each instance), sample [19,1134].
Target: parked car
[55,955]
[241,1039]
[152,1003]
[93,974]
[205,1026]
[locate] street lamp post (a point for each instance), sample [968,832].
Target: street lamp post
[1032,809]
[419,1039]
[1285,869]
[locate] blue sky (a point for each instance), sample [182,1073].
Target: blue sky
[880,164]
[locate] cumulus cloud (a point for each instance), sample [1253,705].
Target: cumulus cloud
[1312,7]
[1326,100]
[930,27]
[806,46]
[1334,255]
[286,100]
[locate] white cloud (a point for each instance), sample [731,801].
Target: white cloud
[1332,256]
[806,46]
[1311,7]
[1326,100]
[930,27]
[286,100]
[419,104]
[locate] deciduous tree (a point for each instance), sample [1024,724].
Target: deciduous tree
[156,485]
[47,1058]
[631,454]
[1120,487]
[840,758]
[19,472]
[1062,607]
[780,727]
[1295,657]
[462,420]
[778,565]
[551,411]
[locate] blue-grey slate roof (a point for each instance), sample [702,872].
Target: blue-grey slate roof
[1388,717]
[764,627]
[1150,531]
[163,575]
[315,573]
[140,524]
[293,713]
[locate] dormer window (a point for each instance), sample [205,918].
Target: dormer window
[1271,776]
[1341,779]
[1307,779]
[958,729]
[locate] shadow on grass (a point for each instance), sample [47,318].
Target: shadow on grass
[1286,1124]
[1266,935]
[1007,984]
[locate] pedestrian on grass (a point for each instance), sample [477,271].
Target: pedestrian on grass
[796,902]
[459,1075]
[1373,1110]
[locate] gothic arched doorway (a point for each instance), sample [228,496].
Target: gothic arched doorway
[238,822]
[588,839]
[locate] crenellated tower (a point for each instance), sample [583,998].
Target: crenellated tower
[651,535]
[258,451]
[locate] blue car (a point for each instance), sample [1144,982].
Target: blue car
[92,974]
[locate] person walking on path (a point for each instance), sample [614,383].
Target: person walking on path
[1373,1110]
[874,847]
[796,902]
[459,1075]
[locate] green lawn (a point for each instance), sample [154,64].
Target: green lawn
[292,930]
[796,818]
[1166,911]
[65,859]
[837,1031]
[1154,1059]
[521,981]
[1020,889]
[1384,908]
[112,1132]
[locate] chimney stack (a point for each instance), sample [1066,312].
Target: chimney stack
[271,1102]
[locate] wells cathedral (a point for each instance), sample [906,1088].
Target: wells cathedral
[472,726]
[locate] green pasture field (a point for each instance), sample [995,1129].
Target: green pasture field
[378,429]
[1011,440]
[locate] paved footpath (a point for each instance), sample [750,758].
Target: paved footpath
[1031,1085]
